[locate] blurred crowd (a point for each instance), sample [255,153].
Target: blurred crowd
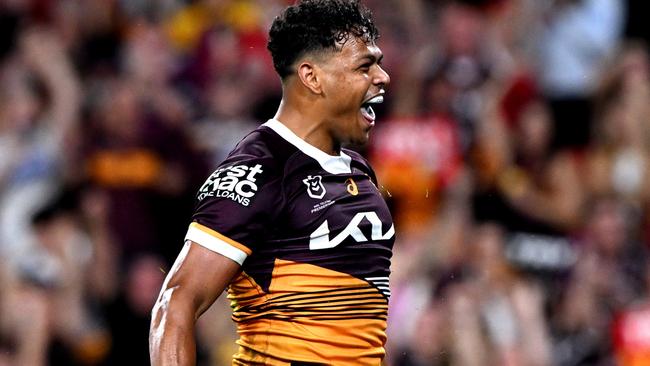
[513,149]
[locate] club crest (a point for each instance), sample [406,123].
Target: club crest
[315,187]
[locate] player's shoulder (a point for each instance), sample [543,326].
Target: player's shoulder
[254,167]
[356,156]
[261,145]
[359,161]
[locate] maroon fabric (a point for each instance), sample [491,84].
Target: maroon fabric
[276,221]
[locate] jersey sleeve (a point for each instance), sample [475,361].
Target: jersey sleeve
[235,207]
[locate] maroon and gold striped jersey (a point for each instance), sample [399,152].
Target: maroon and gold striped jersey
[314,238]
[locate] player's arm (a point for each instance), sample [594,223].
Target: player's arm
[195,281]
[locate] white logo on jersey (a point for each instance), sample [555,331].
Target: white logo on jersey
[236,182]
[315,187]
[320,238]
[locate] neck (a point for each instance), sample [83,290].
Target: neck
[307,123]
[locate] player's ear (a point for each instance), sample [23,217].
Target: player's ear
[309,75]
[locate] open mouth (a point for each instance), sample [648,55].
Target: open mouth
[366,107]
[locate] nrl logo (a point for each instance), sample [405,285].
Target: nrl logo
[315,187]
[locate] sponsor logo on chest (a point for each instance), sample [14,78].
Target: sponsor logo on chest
[236,182]
[320,238]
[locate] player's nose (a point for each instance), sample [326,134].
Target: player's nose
[381,77]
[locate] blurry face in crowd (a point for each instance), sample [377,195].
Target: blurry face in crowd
[488,258]
[352,80]
[488,242]
[607,226]
[121,113]
[440,94]
[636,66]
[18,105]
[229,98]
[429,333]
[619,124]
[460,30]
[535,129]
[224,53]
[148,57]
[143,283]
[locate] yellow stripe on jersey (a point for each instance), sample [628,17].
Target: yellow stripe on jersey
[218,243]
[310,314]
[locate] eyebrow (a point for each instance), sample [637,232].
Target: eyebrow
[372,58]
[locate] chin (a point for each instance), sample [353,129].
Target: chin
[361,140]
[356,132]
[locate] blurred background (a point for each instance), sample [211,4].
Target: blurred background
[513,150]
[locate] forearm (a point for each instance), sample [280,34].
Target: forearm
[65,88]
[171,339]
[29,311]
[47,57]
[195,281]
[33,351]
[103,273]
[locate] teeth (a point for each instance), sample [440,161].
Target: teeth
[376,100]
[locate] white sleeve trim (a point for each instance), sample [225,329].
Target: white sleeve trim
[215,244]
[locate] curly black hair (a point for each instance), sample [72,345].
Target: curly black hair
[316,26]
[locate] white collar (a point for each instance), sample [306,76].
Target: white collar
[332,164]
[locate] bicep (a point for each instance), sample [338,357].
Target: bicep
[199,276]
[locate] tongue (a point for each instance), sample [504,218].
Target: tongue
[368,112]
